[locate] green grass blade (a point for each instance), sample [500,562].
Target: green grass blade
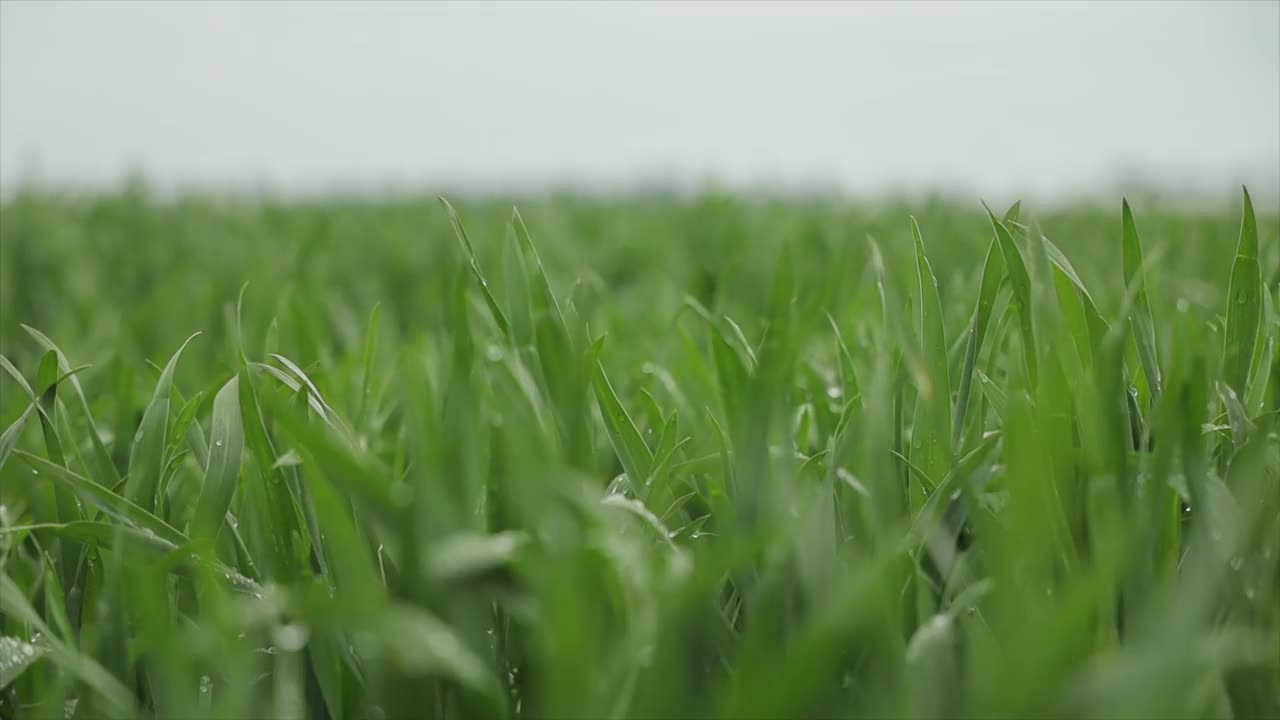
[102,498]
[9,439]
[15,657]
[223,471]
[628,444]
[931,440]
[993,272]
[47,381]
[1020,282]
[1144,333]
[1244,304]
[120,700]
[146,459]
[105,466]
[470,251]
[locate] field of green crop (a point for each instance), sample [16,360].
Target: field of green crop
[644,458]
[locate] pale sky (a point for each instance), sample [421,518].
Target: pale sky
[1022,96]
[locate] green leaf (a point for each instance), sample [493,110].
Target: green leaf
[1244,304]
[931,440]
[121,703]
[11,434]
[15,657]
[470,253]
[146,460]
[223,471]
[1144,333]
[628,444]
[1020,282]
[103,498]
[993,273]
[47,381]
[418,643]
[110,476]
[105,535]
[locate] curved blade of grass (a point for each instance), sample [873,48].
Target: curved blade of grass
[223,471]
[288,381]
[1236,416]
[277,506]
[628,444]
[43,406]
[731,373]
[302,375]
[548,300]
[931,439]
[1257,388]
[1097,326]
[1244,304]
[47,381]
[11,434]
[366,364]
[146,459]
[15,604]
[103,535]
[102,498]
[474,263]
[993,273]
[1020,282]
[110,476]
[15,657]
[185,425]
[359,476]
[422,644]
[1144,333]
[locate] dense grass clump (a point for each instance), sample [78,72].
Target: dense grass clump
[645,458]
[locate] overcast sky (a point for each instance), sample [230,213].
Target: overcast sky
[1022,96]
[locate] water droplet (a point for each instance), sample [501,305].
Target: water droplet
[1249,593]
[1183,305]
[834,392]
[1242,298]
[493,353]
[35,471]
[695,535]
[971,610]
[206,684]
[218,443]
[28,650]
[271,650]
[1236,563]
[69,708]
